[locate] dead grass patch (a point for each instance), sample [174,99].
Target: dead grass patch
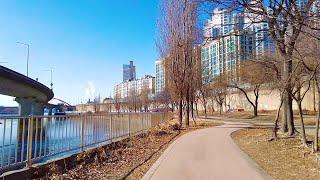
[284,158]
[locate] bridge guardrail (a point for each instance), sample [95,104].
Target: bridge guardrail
[35,139]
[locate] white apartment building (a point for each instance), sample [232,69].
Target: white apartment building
[135,87]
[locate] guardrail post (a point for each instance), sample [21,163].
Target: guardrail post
[82,117]
[30,140]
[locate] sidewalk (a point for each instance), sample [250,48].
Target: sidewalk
[206,154]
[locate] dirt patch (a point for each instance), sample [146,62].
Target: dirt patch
[284,158]
[128,159]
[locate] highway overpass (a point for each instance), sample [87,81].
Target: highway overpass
[31,95]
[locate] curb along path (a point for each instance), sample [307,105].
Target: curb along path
[206,154]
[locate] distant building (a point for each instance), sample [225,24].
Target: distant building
[129,72]
[160,76]
[135,87]
[108,100]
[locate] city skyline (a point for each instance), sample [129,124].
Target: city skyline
[80,38]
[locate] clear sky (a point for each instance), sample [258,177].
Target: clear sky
[84,41]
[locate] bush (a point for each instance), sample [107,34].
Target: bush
[175,126]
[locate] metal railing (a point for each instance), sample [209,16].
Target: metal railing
[35,139]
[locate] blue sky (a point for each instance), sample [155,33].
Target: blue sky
[84,41]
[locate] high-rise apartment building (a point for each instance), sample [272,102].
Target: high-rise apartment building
[129,71]
[160,76]
[230,39]
[221,51]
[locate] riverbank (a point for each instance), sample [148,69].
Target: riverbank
[287,154]
[129,158]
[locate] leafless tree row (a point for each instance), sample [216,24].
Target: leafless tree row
[292,68]
[294,65]
[178,36]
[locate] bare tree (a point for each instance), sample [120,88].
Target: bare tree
[177,38]
[164,100]
[144,98]
[301,80]
[203,79]
[218,89]
[132,100]
[117,102]
[252,76]
[308,57]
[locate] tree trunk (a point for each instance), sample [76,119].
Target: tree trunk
[287,78]
[180,113]
[212,104]
[316,137]
[225,103]
[275,128]
[284,113]
[314,95]
[220,109]
[303,132]
[187,111]
[290,121]
[192,109]
[205,108]
[197,111]
[287,103]
[255,108]
[255,111]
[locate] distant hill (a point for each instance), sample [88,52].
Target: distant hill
[9,110]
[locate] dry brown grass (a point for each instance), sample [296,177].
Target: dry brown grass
[266,116]
[133,157]
[284,158]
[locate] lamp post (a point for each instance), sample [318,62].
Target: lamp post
[28,46]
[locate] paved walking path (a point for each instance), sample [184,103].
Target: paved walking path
[206,154]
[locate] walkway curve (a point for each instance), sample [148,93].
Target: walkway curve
[206,154]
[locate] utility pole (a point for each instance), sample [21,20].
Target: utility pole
[28,46]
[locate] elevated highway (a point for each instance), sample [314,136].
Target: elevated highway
[31,95]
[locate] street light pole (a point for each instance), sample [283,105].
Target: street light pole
[28,46]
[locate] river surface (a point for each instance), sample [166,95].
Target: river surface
[52,137]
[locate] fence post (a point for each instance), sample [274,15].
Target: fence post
[129,125]
[30,139]
[110,128]
[82,117]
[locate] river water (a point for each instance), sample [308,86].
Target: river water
[53,137]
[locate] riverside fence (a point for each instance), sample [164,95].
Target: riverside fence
[37,139]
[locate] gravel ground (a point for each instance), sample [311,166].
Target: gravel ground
[284,158]
[128,159]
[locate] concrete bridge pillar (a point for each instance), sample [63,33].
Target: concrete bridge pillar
[29,106]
